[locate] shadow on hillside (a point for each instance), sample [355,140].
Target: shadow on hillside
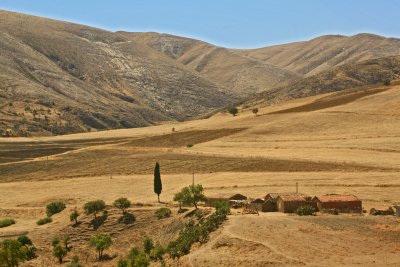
[127,218]
[99,221]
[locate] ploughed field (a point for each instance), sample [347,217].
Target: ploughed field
[349,146]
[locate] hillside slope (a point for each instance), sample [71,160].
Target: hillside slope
[322,53]
[59,77]
[367,73]
[239,73]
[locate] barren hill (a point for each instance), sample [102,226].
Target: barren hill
[240,73]
[367,73]
[59,77]
[319,54]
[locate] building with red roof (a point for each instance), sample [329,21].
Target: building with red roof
[341,203]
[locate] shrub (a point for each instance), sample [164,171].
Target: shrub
[148,245]
[189,145]
[127,218]
[190,195]
[305,210]
[59,252]
[386,82]
[75,262]
[44,220]
[222,208]
[93,207]
[100,242]
[135,258]
[122,263]
[54,207]
[233,110]
[122,204]
[73,217]
[162,213]
[12,252]
[6,222]
[157,253]
[255,111]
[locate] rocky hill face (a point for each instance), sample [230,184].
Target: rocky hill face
[366,73]
[322,53]
[58,77]
[238,72]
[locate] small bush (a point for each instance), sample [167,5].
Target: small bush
[148,245]
[54,207]
[189,145]
[162,213]
[93,207]
[122,204]
[386,82]
[44,221]
[75,262]
[127,218]
[6,222]
[305,210]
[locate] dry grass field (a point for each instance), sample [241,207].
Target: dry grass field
[350,145]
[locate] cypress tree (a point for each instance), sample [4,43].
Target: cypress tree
[157,181]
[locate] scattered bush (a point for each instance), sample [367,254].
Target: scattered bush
[60,253]
[6,222]
[162,213]
[12,252]
[233,110]
[100,242]
[196,233]
[54,207]
[75,262]
[189,145]
[148,245]
[222,207]
[73,217]
[44,220]
[305,210]
[386,82]
[156,254]
[93,207]
[255,111]
[122,204]
[127,218]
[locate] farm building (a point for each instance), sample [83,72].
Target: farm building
[290,203]
[257,204]
[274,196]
[341,203]
[238,197]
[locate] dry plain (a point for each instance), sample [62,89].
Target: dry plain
[350,147]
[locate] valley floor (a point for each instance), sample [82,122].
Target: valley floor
[350,148]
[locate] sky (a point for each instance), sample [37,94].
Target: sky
[229,23]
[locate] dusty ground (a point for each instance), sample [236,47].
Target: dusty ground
[351,147]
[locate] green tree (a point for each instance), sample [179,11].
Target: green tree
[179,198]
[12,252]
[59,252]
[148,245]
[54,207]
[93,207]
[191,195]
[255,111]
[233,110]
[157,181]
[100,242]
[122,204]
[73,217]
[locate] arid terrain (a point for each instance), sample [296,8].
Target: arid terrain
[341,142]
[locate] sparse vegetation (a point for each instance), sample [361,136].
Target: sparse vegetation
[305,210]
[190,195]
[157,181]
[12,253]
[94,207]
[386,82]
[44,220]
[255,111]
[6,222]
[189,145]
[75,262]
[28,244]
[100,242]
[54,207]
[196,233]
[59,252]
[148,245]
[73,217]
[233,110]
[162,213]
[122,204]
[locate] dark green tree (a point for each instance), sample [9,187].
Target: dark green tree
[100,242]
[93,207]
[157,181]
[122,204]
[233,110]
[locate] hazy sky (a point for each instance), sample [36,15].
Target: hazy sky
[230,23]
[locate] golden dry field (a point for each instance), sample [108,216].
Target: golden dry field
[346,142]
